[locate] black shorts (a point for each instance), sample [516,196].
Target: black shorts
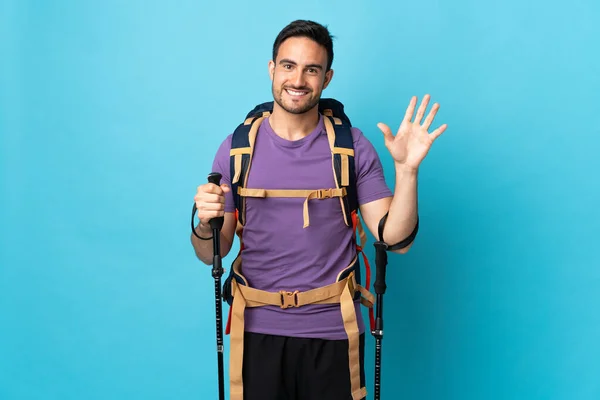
[284,368]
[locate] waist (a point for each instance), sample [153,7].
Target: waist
[275,273]
[320,321]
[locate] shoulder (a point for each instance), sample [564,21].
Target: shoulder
[357,134]
[224,147]
[370,178]
[364,150]
[226,143]
[221,160]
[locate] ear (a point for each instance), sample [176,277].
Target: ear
[271,69]
[328,78]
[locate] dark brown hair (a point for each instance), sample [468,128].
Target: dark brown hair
[308,29]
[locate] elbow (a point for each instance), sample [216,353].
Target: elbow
[404,245]
[205,261]
[403,250]
[202,257]
[199,254]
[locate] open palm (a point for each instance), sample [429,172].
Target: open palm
[413,141]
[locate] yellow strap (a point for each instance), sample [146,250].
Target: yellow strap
[238,163]
[310,194]
[236,343]
[329,294]
[331,138]
[254,130]
[320,194]
[341,292]
[338,150]
[236,333]
[248,121]
[237,156]
[367,299]
[345,170]
[351,327]
[240,150]
[330,133]
[343,150]
[237,167]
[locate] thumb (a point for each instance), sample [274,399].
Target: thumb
[225,188]
[387,132]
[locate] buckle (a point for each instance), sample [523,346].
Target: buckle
[288,299]
[324,193]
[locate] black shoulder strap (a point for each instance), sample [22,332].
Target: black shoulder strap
[343,154]
[240,155]
[334,108]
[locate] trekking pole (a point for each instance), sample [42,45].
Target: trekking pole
[216,224]
[381,260]
[380,286]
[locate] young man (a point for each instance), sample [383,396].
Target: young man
[305,352]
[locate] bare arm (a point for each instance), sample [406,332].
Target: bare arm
[402,209]
[408,149]
[210,202]
[204,248]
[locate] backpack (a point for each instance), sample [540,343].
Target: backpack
[348,287]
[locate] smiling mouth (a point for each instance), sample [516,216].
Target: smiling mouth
[296,93]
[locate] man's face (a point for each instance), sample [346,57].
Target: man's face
[298,74]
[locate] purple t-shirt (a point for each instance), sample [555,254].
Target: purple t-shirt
[279,254]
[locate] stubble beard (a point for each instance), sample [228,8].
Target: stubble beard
[291,108]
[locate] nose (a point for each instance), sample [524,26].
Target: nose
[298,78]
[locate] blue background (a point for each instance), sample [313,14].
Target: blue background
[110,113]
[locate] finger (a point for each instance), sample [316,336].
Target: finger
[203,198]
[410,110]
[435,134]
[422,108]
[206,217]
[211,188]
[225,188]
[387,132]
[204,206]
[212,198]
[429,120]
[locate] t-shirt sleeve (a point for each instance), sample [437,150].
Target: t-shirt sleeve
[221,165]
[370,181]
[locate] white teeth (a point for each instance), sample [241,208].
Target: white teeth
[294,93]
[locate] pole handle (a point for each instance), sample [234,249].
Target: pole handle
[381,260]
[216,223]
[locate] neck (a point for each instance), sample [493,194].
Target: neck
[293,126]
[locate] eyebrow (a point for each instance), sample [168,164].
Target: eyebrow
[288,61]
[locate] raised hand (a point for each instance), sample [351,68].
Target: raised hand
[413,140]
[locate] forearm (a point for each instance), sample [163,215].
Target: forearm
[204,248]
[403,212]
